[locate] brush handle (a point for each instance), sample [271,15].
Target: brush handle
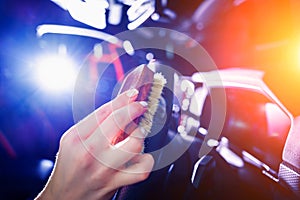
[141,78]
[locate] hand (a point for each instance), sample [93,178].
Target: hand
[88,166]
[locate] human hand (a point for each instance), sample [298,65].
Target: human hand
[88,166]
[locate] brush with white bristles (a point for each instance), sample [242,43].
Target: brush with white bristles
[158,84]
[150,86]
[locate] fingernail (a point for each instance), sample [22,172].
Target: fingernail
[143,103]
[132,92]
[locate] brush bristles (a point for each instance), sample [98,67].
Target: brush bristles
[158,84]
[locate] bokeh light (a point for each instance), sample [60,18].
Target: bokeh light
[55,73]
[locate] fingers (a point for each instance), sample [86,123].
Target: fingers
[128,148]
[120,101]
[138,171]
[88,125]
[116,122]
[115,156]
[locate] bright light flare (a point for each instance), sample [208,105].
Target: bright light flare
[298,55]
[55,73]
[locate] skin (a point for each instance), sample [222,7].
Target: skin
[88,166]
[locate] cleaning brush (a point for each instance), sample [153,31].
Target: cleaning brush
[150,85]
[153,100]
